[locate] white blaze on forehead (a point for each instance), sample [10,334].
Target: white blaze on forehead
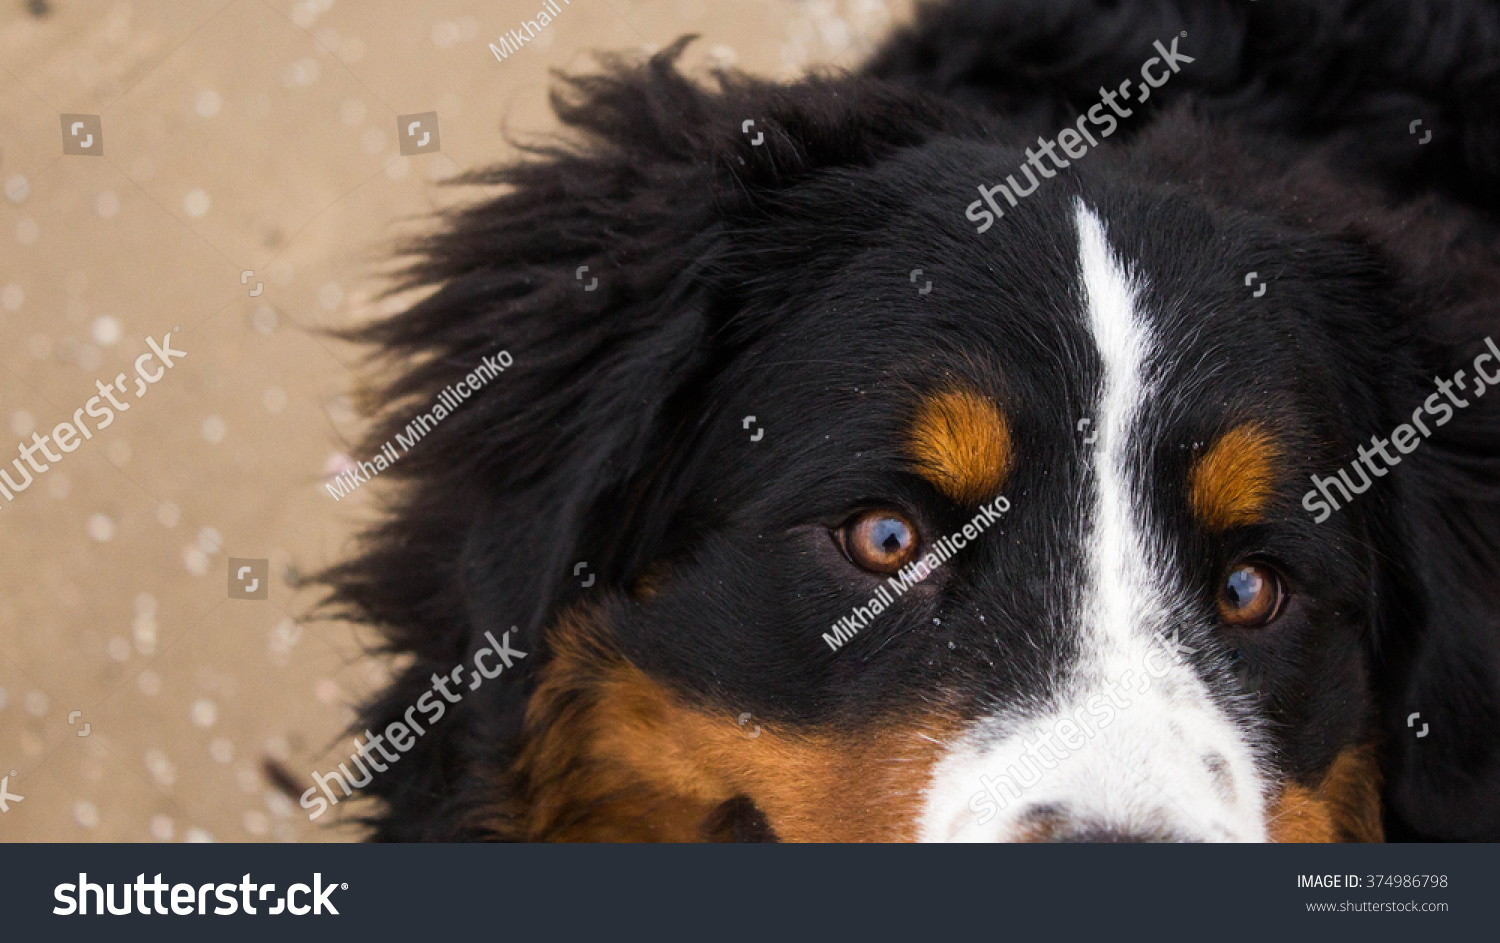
[1130,742]
[1121,573]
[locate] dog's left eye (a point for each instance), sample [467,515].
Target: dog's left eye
[879,541]
[1251,596]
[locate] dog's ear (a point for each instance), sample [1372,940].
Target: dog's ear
[1439,646]
[605,270]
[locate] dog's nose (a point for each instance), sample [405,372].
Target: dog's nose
[1055,823]
[1109,835]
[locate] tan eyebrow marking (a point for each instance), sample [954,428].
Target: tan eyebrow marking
[1231,484]
[961,444]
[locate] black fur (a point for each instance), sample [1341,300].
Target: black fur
[721,263]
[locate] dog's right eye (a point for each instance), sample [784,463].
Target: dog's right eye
[879,541]
[1252,595]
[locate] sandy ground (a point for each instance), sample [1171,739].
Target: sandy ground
[138,701]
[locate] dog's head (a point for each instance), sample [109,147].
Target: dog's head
[822,516]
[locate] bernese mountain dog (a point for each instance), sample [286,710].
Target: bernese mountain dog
[1069,426]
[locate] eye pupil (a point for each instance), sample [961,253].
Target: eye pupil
[1244,585]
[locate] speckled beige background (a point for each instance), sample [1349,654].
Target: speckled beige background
[243,135]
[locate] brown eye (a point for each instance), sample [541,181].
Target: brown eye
[1252,596]
[879,541]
